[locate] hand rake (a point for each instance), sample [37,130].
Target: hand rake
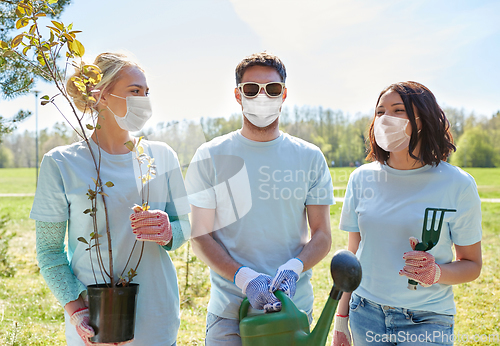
[430,235]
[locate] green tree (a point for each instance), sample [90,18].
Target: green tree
[9,125]
[474,149]
[456,117]
[6,157]
[17,76]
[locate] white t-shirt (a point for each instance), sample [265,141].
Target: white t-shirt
[387,207]
[65,176]
[259,191]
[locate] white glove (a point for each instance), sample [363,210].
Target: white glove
[341,333]
[287,276]
[256,287]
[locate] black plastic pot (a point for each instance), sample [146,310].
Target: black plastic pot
[112,312]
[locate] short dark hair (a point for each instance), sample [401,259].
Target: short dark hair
[435,136]
[260,59]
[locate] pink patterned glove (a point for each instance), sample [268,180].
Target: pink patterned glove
[80,319]
[341,333]
[152,225]
[420,266]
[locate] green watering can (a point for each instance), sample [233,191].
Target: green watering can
[430,235]
[290,326]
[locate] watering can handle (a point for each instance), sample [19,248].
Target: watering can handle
[286,302]
[245,304]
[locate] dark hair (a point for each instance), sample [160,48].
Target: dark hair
[435,136]
[260,59]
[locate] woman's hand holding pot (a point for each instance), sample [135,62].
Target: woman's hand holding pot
[80,319]
[151,225]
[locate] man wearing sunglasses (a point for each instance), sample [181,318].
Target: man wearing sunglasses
[252,193]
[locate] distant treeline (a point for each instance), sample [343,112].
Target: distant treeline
[340,136]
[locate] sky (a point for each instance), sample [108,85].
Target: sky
[339,54]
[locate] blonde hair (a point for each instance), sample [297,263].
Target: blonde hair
[111,64]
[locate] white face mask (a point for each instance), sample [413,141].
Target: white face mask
[261,110]
[390,133]
[138,112]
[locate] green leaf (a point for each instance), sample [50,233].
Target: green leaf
[26,49]
[68,37]
[28,9]
[38,15]
[58,25]
[16,41]
[21,23]
[77,48]
[51,2]
[129,145]
[45,97]
[4,45]
[90,127]
[45,47]
[54,29]
[8,53]
[79,84]
[140,149]
[98,126]
[33,28]
[83,240]
[109,184]
[20,10]
[40,59]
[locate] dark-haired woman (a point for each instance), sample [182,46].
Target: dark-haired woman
[384,211]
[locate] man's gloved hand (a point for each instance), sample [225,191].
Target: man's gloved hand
[420,266]
[256,288]
[152,225]
[80,319]
[341,333]
[286,277]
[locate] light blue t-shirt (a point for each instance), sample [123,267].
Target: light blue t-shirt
[387,207]
[259,191]
[65,176]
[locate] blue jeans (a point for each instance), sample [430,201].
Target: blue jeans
[222,331]
[225,331]
[375,324]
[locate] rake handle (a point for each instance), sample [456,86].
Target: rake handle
[412,284]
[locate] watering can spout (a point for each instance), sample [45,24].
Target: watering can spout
[346,273]
[320,333]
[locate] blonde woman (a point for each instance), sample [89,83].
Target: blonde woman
[65,176]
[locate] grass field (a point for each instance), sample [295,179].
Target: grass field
[30,315]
